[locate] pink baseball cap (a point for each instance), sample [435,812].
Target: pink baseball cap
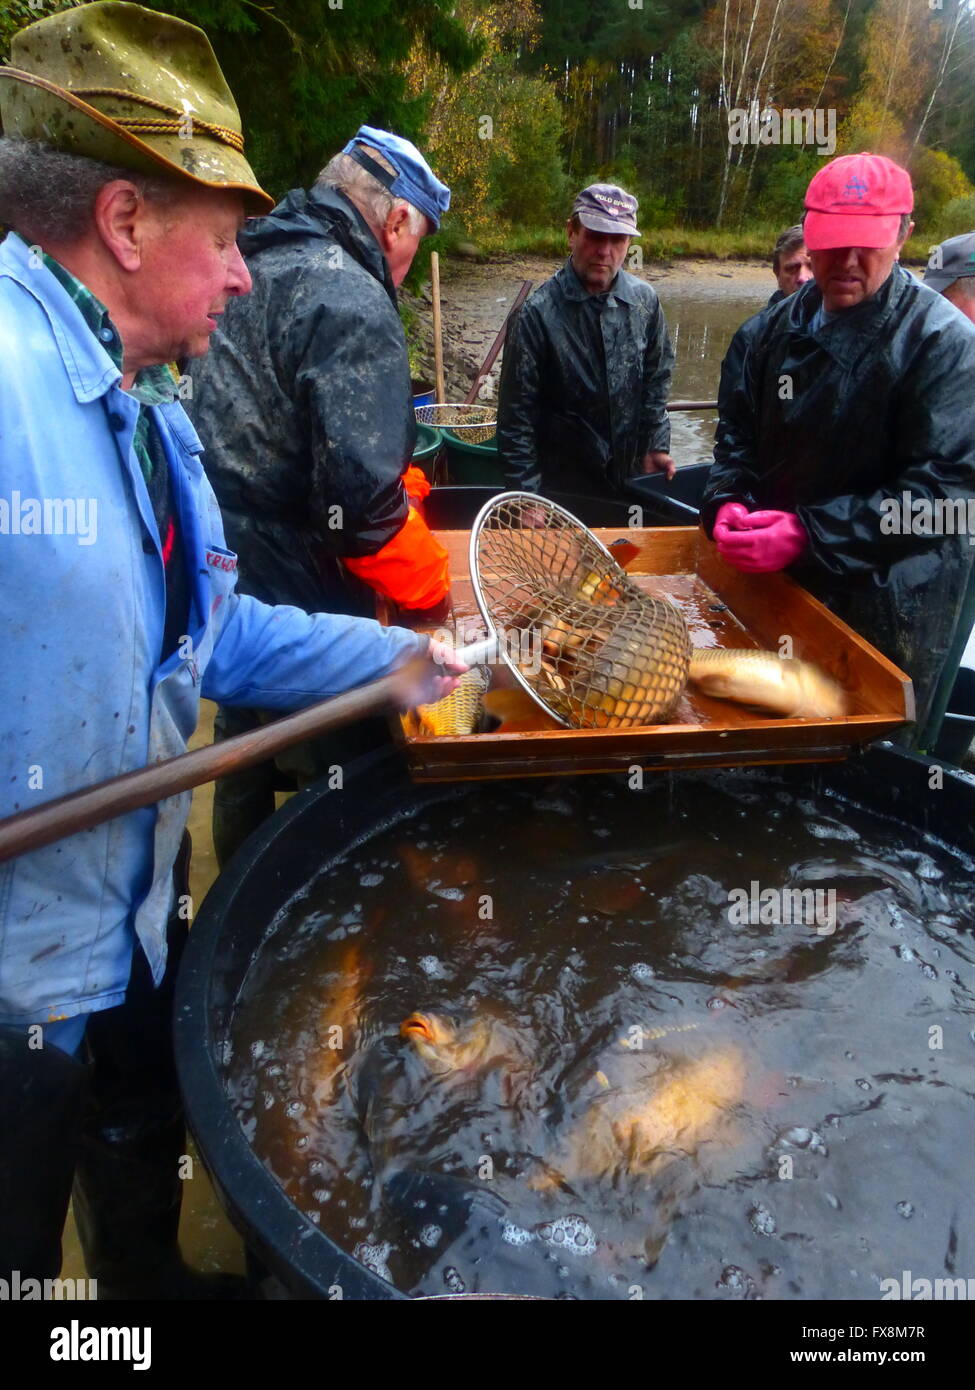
[856,200]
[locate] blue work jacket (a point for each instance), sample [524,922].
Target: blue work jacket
[83,695]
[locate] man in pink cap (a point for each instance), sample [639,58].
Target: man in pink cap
[849,438]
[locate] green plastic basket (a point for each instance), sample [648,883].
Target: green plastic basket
[429,442]
[473,464]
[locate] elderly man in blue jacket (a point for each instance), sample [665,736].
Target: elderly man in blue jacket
[123,179]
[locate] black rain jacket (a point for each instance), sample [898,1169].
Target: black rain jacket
[584,385]
[304,404]
[878,402]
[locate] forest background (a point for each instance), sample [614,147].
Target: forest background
[519,103]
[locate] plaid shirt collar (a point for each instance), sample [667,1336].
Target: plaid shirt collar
[152,385]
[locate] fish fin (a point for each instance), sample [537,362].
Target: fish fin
[623,552]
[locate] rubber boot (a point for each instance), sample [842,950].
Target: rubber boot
[127,1199]
[41,1095]
[128,1189]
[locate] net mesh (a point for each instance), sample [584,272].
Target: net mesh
[473,423]
[458,713]
[594,649]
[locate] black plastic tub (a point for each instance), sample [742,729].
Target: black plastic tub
[958,730]
[663,502]
[455,508]
[671,502]
[293,847]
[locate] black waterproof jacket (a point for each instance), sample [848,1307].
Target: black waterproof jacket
[735,356]
[833,424]
[584,385]
[306,440]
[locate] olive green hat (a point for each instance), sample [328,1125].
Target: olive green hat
[130,87]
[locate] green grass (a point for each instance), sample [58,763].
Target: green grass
[670,243]
[658,243]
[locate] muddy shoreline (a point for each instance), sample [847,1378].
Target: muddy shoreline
[475,298]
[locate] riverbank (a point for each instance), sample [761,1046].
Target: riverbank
[658,243]
[476,295]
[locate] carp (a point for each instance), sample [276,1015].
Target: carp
[640,1127]
[461,1043]
[783,685]
[339,1017]
[613,656]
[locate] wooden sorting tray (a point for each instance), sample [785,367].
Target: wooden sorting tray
[723,607]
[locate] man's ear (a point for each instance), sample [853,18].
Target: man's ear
[119,215]
[397,221]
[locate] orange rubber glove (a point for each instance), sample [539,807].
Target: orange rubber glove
[412,569]
[417,484]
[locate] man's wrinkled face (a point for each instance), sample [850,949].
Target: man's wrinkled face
[191,267]
[596,256]
[794,270]
[850,275]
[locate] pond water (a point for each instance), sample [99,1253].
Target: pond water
[704,302]
[711,1039]
[702,316]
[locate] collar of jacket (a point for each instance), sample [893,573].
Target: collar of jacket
[624,287]
[89,367]
[845,336]
[326,213]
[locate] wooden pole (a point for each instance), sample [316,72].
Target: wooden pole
[495,347]
[66,815]
[437,328]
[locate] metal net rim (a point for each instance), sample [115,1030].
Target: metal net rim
[481,521]
[471,417]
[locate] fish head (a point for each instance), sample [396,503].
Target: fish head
[447,1042]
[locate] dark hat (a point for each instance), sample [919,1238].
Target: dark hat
[130,87]
[953,260]
[602,207]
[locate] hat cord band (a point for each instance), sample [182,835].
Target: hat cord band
[135,124]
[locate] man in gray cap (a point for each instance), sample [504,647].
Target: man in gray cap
[951,271]
[587,365]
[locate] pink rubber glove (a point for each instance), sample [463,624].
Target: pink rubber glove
[730,517]
[759,542]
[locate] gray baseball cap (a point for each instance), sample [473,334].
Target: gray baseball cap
[953,260]
[602,207]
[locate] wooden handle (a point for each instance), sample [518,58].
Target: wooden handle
[496,346]
[66,815]
[437,329]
